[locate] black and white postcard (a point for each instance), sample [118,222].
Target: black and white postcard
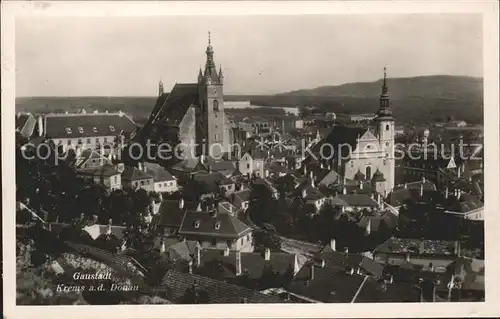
[275,159]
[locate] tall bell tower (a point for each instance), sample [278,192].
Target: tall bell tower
[211,103]
[384,126]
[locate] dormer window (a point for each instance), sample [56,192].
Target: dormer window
[68,130]
[111,128]
[80,130]
[196,224]
[217,225]
[95,129]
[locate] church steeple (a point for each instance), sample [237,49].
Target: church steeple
[221,76]
[200,76]
[384,98]
[210,73]
[160,87]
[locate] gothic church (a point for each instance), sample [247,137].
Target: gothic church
[192,114]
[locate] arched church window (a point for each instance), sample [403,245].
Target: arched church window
[216,105]
[368,172]
[387,127]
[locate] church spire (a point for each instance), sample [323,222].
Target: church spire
[210,69]
[221,76]
[160,87]
[384,98]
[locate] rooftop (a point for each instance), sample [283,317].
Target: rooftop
[417,246]
[213,224]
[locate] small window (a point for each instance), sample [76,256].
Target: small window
[69,142]
[80,130]
[79,141]
[216,137]
[111,128]
[228,243]
[97,140]
[216,105]
[241,241]
[387,127]
[248,166]
[142,183]
[105,140]
[68,130]
[88,141]
[214,242]
[95,129]
[197,224]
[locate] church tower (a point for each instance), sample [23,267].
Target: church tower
[211,102]
[384,126]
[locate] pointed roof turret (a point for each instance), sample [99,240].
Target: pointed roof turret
[378,176]
[359,176]
[160,87]
[384,110]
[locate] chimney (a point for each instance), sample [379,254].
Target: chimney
[139,166]
[343,209]
[407,257]
[346,250]
[322,166]
[305,170]
[267,254]
[378,198]
[238,263]
[446,193]
[162,247]
[344,190]
[198,208]
[459,193]
[423,179]
[312,272]
[311,175]
[181,203]
[406,186]
[202,158]
[369,226]
[329,167]
[40,126]
[361,185]
[190,267]
[421,190]
[198,255]
[457,248]
[344,180]
[226,251]
[110,222]
[304,193]
[459,172]
[266,173]
[333,245]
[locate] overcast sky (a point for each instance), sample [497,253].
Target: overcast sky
[259,55]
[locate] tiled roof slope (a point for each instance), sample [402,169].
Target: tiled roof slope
[175,106]
[177,283]
[229,226]
[100,124]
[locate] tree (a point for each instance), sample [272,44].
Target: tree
[265,239]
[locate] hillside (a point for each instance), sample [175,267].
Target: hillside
[437,86]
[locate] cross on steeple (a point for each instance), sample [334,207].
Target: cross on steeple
[209,38]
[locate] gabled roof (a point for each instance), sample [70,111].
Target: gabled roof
[102,171]
[210,182]
[252,263]
[80,125]
[177,283]
[354,200]
[264,182]
[134,174]
[90,154]
[338,136]
[241,196]
[189,165]
[169,215]
[159,173]
[205,224]
[177,103]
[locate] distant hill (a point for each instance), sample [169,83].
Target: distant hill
[434,86]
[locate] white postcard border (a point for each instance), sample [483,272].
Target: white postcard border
[489,10]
